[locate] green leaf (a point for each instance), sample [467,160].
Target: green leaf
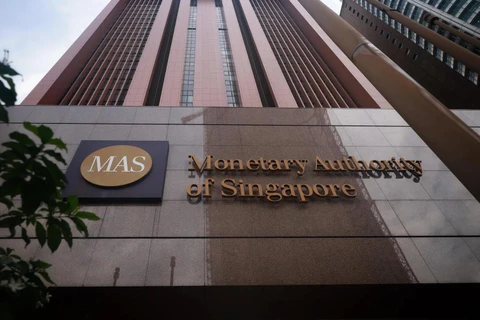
[46,277]
[41,233]
[11,84]
[3,114]
[6,202]
[81,227]
[72,202]
[7,95]
[25,237]
[56,173]
[22,266]
[18,147]
[67,232]
[30,127]
[45,133]
[58,143]
[56,155]
[11,221]
[54,236]
[13,231]
[42,265]
[87,215]
[21,137]
[7,70]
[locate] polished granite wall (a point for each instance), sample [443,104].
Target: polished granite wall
[397,230]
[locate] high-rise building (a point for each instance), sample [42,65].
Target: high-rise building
[443,75]
[204,53]
[280,183]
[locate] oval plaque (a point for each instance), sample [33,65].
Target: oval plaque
[116,166]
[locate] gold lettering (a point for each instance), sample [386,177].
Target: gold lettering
[237,168]
[195,164]
[288,190]
[263,165]
[357,164]
[225,186]
[418,165]
[194,193]
[286,165]
[302,164]
[320,165]
[274,165]
[339,165]
[377,165]
[253,165]
[348,164]
[317,192]
[387,164]
[271,193]
[221,165]
[259,188]
[302,195]
[349,191]
[333,189]
[206,187]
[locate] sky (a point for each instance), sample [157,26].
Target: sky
[38,32]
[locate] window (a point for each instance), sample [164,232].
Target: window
[186,97]
[233,97]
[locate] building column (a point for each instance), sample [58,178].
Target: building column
[281,91]
[209,86]
[57,81]
[247,87]
[172,86]
[362,92]
[138,90]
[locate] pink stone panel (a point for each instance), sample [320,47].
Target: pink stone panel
[247,87]
[276,80]
[360,89]
[209,82]
[172,86]
[138,90]
[56,82]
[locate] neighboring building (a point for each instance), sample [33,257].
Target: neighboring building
[147,72]
[204,53]
[443,76]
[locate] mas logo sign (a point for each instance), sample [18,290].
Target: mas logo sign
[118,170]
[116,166]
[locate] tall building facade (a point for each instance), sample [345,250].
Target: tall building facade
[447,78]
[281,183]
[204,53]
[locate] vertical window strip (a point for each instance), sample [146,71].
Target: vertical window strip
[106,77]
[233,97]
[186,99]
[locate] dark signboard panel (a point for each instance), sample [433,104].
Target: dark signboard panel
[148,188]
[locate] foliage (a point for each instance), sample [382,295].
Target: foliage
[30,173]
[8,95]
[19,277]
[31,192]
